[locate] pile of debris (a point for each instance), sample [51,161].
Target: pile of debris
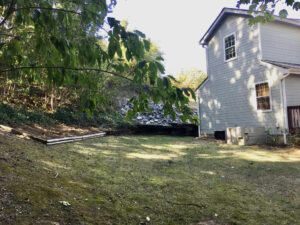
[156,117]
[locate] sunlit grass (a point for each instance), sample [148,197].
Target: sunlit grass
[255,155]
[265,156]
[169,147]
[151,156]
[171,180]
[54,165]
[208,172]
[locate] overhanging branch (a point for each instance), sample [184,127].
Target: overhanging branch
[65,68]
[9,12]
[10,35]
[46,8]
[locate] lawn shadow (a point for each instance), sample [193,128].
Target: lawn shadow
[165,177]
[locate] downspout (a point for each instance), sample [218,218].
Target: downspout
[204,45]
[198,111]
[282,81]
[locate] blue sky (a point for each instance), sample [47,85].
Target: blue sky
[176,26]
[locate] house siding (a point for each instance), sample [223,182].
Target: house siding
[292,83]
[228,98]
[280,42]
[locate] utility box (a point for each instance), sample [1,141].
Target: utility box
[246,135]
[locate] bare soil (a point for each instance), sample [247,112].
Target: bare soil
[56,131]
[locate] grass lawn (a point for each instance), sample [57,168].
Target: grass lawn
[124,180]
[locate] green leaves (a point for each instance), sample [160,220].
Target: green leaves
[112,22]
[296,6]
[268,7]
[160,67]
[112,47]
[283,13]
[49,39]
[189,92]
[147,44]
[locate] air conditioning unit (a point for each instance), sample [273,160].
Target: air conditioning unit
[245,135]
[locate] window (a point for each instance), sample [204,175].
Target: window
[229,43]
[263,97]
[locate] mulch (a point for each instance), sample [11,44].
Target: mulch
[46,133]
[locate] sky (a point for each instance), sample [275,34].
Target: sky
[176,26]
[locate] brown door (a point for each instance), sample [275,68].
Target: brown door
[294,119]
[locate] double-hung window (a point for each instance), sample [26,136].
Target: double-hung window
[263,96]
[230,47]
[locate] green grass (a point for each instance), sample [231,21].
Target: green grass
[171,180]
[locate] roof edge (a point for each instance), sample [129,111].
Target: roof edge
[284,65]
[203,82]
[242,12]
[219,18]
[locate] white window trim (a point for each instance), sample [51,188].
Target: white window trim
[270,90]
[224,52]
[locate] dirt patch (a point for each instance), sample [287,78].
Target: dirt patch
[56,131]
[5,202]
[210,139]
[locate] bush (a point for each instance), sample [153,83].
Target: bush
[13,115]
[9,115]
[294,139]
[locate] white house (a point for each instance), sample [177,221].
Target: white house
[253,74]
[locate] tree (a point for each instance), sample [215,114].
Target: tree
[191,78]
[268,7]
[58,43]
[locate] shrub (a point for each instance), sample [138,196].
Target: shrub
[294,139]
[14,115]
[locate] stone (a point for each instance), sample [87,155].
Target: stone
[155,115]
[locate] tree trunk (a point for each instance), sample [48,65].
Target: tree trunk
[52,99]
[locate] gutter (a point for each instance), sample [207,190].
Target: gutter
[284,108]
[291,71]
[198,104]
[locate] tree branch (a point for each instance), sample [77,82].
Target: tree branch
[65,68]
[9,12]
[10,35]
[45,8]
[12,9]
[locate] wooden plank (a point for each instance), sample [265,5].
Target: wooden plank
[52,141]
[79,138]
[62,142]
[76,137]
[62,139]
[93,135]
[38,139]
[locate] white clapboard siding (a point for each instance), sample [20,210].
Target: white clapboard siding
[280,42]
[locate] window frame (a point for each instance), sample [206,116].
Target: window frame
[270,96]
[235,47]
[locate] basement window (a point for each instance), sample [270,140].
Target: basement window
[230,47]
[263,97]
